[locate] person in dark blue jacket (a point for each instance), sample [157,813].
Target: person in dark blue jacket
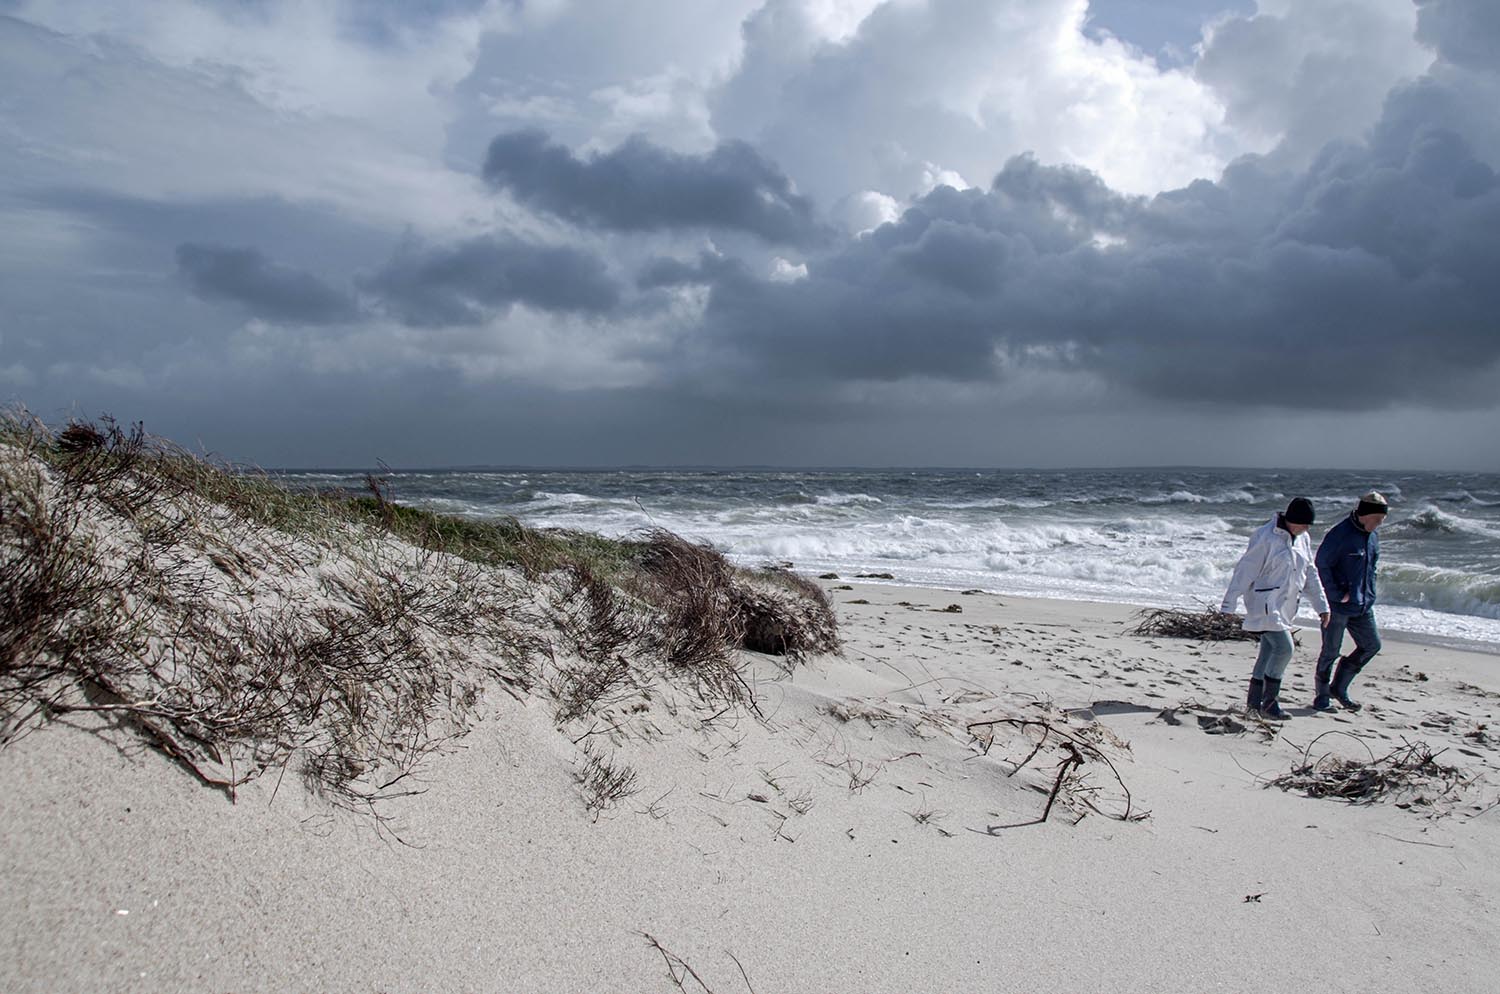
[1346,560]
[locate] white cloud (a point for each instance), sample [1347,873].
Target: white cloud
[306,58]
[609,69]
[934,176]
[1294,76]
[967,83]
[93,112]
[785,271]
[668,107]
[865,211]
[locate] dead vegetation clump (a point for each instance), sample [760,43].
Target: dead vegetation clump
[1207,625]
[709,609]
[1410,775]
[786,614]
[700,628]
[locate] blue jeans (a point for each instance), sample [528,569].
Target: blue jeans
[1275,653]
[1361,628]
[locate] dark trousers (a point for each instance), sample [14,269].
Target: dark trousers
[1361,628]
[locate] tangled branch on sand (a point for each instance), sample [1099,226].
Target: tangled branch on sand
[1207,625]
[1077,751]
[1410,771]
[678,969]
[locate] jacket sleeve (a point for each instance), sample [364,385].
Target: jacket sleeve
[1327,558]
[1245,572]
[1312,589]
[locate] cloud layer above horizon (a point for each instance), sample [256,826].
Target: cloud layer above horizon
[977,232]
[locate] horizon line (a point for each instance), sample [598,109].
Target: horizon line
[830,468]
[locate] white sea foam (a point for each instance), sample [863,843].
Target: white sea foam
[1465,497]
[1131,537]
[1175,497]
[1428,519]
[840,500]
[543,499]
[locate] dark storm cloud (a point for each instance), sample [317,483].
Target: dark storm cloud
[673,272]
[297,235]
[468,282]
[1365,281]
[642,187]
[1465,32]
[262,287]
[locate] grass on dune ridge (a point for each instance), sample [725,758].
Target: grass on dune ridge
[243,628]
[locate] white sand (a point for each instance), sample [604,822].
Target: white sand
[122,874]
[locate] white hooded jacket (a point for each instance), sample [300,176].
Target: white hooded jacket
[1272,575]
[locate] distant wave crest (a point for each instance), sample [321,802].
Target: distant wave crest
[1442,590]
[1429,520]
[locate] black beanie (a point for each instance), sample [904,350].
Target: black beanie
[1299,512]
[1372,503]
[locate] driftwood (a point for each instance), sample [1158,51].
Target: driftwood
[1207,625]
[1077,752]
[1410,769]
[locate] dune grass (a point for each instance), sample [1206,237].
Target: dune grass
[238,625]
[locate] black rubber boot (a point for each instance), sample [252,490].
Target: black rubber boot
[1342,677]
[1322,680]
[1269,706]
[1257,691]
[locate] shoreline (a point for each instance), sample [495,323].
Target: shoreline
[1387,634]
[1472,659]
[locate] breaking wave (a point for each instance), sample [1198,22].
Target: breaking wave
[1166,538]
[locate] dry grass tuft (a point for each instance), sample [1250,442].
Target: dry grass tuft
[692,587]
[604,782]
[710,609]
[786,615]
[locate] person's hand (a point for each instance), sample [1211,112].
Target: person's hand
[1345,599]
[1323,619]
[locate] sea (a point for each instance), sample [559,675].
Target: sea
[1152,537]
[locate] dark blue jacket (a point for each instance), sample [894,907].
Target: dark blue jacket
[1346,565]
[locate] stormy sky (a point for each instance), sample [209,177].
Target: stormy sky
[787,232]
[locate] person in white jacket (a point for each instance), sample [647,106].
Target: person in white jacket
[1272,576]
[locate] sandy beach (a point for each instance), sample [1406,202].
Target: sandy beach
[549,497]
[851,838]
